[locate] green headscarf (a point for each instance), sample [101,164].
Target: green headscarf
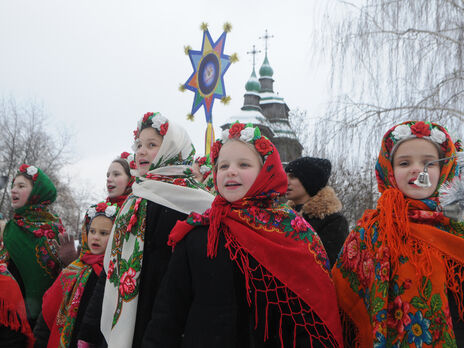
[27,239]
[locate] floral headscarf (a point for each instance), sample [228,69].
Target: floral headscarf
[292,262]
[61,302]
[395,266]
[27,238]
[169,183]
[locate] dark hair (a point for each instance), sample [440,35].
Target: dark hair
[124,164]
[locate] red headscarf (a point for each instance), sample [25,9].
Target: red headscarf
[289,253]
[12,308]
[62,300]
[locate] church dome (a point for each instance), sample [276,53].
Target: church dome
[266,70]
[253,84]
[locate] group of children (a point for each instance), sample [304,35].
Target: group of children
[168,261]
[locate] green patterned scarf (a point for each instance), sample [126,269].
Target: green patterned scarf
[27,239]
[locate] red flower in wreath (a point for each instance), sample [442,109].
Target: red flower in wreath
[164,129]
[180,182]
[263,145]
[420,129]
[136,134]
[101,207]
[124,155]
[23,168]
[215,150]
[132,165]
[147,116]
[234,131]
[20,223]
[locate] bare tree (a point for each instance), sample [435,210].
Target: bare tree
[391,61]
[25,138]
[354,184]
[398,60]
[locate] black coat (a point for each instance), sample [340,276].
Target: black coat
[11,339]
[333,230]
[202,303]
[323,212]
[156,254]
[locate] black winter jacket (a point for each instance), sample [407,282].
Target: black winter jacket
[202,303]
[322,212]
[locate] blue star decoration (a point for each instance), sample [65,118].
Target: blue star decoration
[207,80]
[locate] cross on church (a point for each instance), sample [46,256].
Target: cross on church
[266,37]
[254,52]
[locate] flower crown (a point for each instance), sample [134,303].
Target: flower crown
[29,170]
[420,129]
[246,133]
[129,158]
[107,209]
[155,120]
[204,164]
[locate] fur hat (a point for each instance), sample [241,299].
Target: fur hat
[312,172]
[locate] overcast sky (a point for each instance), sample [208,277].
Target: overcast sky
[98,66]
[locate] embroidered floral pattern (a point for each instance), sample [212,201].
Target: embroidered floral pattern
[122,272]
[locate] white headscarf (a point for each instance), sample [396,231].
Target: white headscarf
[173,159]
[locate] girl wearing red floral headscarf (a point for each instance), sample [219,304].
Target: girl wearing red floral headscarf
[396,266]
[249,272]
[65,302]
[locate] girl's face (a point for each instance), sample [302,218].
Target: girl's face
[237,168]
[409,160]
[20,191]
[99,233]
[116,180]
[148,145]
